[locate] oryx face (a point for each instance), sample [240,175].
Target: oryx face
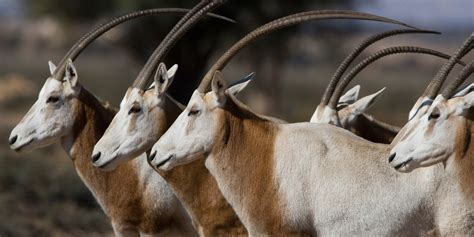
[52,115]
[137,126]
[432,137]
[195,131]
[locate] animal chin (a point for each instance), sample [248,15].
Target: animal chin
[162,163]
[108,166]
[402,165]
[21,147]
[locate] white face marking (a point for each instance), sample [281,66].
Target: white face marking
[192,134]
[430,138]
[51,116]
[136,127]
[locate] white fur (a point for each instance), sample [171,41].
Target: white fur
[350,96]
[197,145]
[357,108]
[118,145]
[130,134]
[416,148]
[196,113]
[416,110]
[331,181]
[351,109]
[46,122]
[326,115]
[52,67]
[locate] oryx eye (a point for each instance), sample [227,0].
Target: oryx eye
[135,109]
[52,99]
[434,115]
[193,112]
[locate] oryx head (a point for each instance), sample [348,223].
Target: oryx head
[193,133]
[52,115]
[343,110]
[430,135]
[436,135]
[208,106]
[139,123]
[348,108]
[141,119]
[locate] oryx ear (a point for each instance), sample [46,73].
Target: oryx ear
[71,74]
[238,86]
[218,87]
[164,78]
[466,103]
[350,96]
[466,90]
[52,67]
[360,106]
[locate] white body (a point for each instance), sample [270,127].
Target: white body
[307,178]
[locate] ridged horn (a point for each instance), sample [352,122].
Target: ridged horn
[357,51]
[100,29]
[435,84]
[448,92]
[190,19]
[285,22]
[374,57]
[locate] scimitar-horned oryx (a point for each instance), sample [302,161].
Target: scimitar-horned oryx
[67,112]
[136,114]
[294,178]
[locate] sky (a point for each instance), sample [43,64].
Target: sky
[441,14]
[425,13]
[10,8]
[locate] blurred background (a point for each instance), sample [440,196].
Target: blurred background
[40,192]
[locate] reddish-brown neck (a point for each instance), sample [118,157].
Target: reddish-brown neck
[117,191]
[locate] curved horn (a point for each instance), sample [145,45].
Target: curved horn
[435,84]
[357,51]
[100,29]
[459,80]
[374,57]
[282,23]
[172,37]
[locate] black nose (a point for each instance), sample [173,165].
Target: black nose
[12,140]
[152,156]
[95,157]
[392,156]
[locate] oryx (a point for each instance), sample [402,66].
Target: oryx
[67,112]
[144,114]
[298,178]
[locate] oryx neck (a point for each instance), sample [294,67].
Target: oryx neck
[92,118]
[373,130]
[244,150]
[198,192]
[463,162]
